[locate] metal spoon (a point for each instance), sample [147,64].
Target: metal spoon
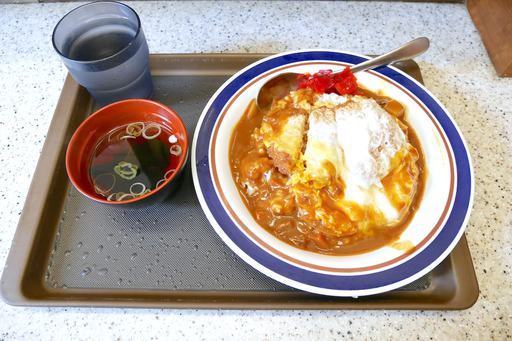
[283,83]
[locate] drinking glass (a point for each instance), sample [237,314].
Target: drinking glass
[103,46]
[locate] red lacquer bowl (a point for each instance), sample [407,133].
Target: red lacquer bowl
[95,127]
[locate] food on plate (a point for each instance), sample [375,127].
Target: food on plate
[283,136]
[134,159]
[331,167]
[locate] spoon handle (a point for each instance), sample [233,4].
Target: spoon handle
[409,50]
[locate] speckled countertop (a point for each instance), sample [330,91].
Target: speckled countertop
[456,69]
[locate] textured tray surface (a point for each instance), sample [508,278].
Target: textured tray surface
[169,246]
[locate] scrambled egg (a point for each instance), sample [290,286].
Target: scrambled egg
[349,162]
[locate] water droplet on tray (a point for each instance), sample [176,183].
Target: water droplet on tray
[85,272]
[118,244]
[85,255]
[79,245]
[67,253]
[100,248]
[133,256]
[102,271]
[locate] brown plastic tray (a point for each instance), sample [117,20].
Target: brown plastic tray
[69,251]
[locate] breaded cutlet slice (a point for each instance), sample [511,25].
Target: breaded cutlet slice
[284,140]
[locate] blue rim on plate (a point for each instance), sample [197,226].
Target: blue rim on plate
[304,279]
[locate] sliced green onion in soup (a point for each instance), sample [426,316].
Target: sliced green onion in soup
[134,186]
[104,183]
[169,173]
[175,150]
[119,195]
[126,196]
[126,170]
[111,135]
[135,129]
[148,135]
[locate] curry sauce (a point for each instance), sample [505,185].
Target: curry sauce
[310,217]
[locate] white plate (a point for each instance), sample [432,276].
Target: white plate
[435,229]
